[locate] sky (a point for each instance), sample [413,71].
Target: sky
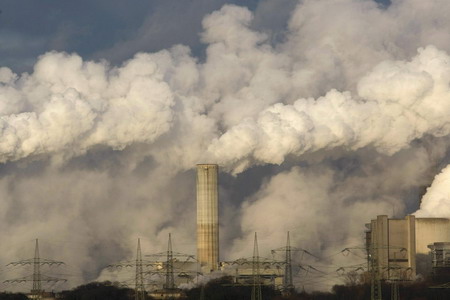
[318,113]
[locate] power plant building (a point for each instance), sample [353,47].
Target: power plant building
[271,272]
[429,231]
[392,245]
[207,217]
[397,245]
[440,263]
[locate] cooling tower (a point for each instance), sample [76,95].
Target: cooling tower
[207,217]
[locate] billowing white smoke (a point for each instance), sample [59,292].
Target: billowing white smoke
[68,106]
[355,116]
[396,103]
[435,203]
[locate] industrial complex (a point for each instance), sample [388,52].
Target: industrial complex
[398,251]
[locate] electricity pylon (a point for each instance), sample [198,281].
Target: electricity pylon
[139,290]
[138,264]
[375,278]
[37,278]
[36,271]
[288,285]
[287,280]
[256,290]
[170,264]
[395,272]
[395,292]
[375,268]
[170,280]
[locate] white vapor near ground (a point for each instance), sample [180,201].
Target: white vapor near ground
[346,117]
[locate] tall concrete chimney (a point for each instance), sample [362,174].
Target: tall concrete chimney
[207,217]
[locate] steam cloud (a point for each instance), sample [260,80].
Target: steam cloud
[345,118]
[435,202]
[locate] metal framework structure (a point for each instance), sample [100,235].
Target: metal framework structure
[170,280]
[139,290]
[375,278]
[256,289]
[139,265]
[37,278]
[375,273]
[287,280]
[288,285]
[169,265]
[395,271]
[395,292]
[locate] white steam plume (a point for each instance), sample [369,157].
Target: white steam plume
[396,103]
[436,202]
[67,106]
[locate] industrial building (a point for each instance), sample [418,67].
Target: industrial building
[43,296]
[397,247]
[440,261]
[429,231]
[270,272]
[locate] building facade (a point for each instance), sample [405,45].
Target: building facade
[395,246]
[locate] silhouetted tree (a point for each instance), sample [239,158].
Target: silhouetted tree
[99,291]
[224,289]
[12,296]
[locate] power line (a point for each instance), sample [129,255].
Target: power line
[37,278]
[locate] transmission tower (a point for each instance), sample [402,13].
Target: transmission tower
[256,290]
[395,274]
[139,290]
[36,272]
[170,280]
[375,284]
[288,286]
[395,292]
[138,264]
[170,264]
[37,278]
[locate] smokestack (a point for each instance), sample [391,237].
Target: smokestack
[207,217]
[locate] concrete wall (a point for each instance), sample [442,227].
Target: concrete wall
[401,253]
[394,243]
[429,231]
